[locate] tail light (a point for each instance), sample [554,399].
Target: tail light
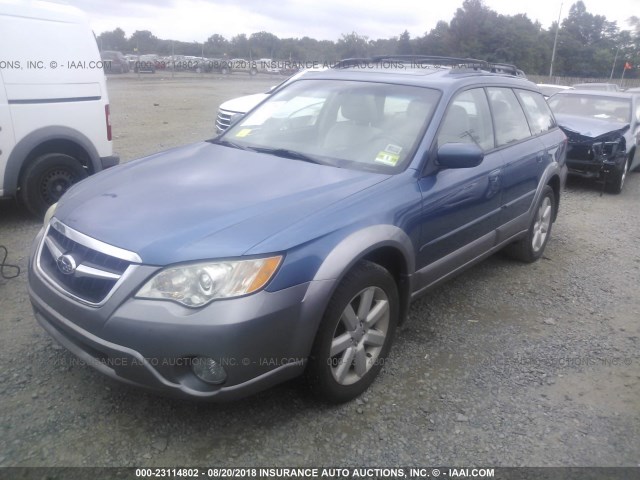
[107,116]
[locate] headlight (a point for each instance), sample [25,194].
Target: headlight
[196,285]
[49,213]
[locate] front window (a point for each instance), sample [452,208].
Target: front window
[348,124]
[468,120]
[592,106]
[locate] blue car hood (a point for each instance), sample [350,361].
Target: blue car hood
[203,201]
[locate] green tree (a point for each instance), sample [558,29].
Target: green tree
[353,45]
[239,47]
[437,42]
[217,45]
[404,46]
[143,41]
[264,44]
[114,40]
[473,29]
[586,43]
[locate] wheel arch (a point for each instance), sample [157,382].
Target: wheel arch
[632,157]
[554,183]
[48,140]
[386,245]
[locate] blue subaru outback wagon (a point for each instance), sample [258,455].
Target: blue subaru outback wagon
[294,242]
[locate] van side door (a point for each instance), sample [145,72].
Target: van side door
[7,139]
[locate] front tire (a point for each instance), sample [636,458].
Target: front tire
[47,178]
[616,185]
[532,246]
[355,334]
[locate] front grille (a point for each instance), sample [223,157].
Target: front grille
[87,255]
[223,120]
[95,274]
[580,152]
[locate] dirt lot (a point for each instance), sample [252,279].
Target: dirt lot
[508,364]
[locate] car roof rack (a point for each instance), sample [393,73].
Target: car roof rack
[461,64]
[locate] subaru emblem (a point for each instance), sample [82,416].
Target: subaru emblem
[66,264]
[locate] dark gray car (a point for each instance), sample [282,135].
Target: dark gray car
[603,129]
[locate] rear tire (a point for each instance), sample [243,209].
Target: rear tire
[355,334]
[46,179]
[532,246]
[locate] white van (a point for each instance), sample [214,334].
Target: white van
[54,110]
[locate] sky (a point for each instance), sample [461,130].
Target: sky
[196,20]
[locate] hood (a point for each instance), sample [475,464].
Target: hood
[203,201]
[584,128]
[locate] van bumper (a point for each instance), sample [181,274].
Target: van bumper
[110,161]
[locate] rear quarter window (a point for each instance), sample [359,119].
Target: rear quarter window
[537,111]
[509,119]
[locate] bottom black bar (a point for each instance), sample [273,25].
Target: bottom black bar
[328,473]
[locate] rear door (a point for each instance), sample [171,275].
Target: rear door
[525,155]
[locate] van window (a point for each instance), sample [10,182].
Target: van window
[537,111]
[468,120]
[508,117]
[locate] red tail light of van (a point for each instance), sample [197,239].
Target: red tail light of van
[107,116]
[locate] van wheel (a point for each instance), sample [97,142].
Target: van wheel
[47,178]
[531,247]
[355,334]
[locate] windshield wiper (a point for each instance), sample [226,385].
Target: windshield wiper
[286,153]
[227,143]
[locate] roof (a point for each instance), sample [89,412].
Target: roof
[435,72]
[42,10]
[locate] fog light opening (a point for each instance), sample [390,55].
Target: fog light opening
[208,370]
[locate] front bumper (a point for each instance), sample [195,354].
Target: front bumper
[261,339]
[595,167]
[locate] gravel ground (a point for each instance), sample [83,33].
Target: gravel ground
[507,365]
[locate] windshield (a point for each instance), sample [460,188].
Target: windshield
[591,106]
[360,125]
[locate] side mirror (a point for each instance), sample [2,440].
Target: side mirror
[459,155]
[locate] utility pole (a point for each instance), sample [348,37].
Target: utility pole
[555,43]
[614,63]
